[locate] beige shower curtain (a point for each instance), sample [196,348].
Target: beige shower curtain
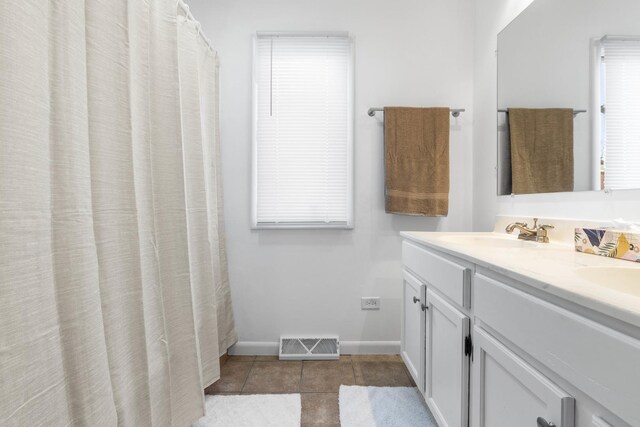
[114,295]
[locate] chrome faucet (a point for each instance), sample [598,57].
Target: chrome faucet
[537,234]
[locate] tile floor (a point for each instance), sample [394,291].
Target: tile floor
[318,382]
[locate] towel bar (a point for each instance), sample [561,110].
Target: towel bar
[455,112]
[575,112]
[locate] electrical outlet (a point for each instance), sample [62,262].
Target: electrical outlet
[370,303]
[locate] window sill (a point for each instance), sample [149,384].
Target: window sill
[302,226]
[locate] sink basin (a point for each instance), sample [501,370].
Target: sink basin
[496,241]
[621,279]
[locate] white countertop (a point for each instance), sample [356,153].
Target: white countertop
[549,267]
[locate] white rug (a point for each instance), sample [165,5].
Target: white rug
[251,410]
[383,406]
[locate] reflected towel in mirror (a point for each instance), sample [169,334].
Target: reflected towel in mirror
[541,149]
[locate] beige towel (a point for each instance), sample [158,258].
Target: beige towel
[416,159]
[541,150]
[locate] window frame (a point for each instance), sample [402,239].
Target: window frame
[349,223]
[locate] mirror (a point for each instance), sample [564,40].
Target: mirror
[569,97]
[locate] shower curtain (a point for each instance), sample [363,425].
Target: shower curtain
[114,295]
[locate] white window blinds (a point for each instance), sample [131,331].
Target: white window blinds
[303,131]
[622,113]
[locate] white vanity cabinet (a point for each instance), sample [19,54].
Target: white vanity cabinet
[487,350]
[601,363]
[443,375]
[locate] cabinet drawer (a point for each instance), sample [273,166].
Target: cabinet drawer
[451,279]
[600,361]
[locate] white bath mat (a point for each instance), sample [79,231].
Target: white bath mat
[251,410]
[383,406]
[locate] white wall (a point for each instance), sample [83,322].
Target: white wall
[491,16]
[408,52]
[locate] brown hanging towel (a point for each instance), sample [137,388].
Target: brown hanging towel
[541,150]
[416,160]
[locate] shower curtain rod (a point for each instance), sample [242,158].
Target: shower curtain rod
[455,112]
[187,12]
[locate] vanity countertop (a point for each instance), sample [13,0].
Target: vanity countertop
[550,267]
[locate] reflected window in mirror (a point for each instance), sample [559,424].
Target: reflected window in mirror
[619,112]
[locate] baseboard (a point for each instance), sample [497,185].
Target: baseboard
[254,348]
[267,348]
[370,347]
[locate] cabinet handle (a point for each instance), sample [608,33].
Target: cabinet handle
[424,307]
[416,300]
[544,423]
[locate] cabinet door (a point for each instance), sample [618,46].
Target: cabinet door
[509,392]
[447,366]
[413,335]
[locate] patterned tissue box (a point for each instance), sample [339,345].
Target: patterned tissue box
[609,243]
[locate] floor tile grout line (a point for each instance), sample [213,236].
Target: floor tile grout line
[247,377]
[353,368]
[318,392]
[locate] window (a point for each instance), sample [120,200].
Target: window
[303,131]
[621,112]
